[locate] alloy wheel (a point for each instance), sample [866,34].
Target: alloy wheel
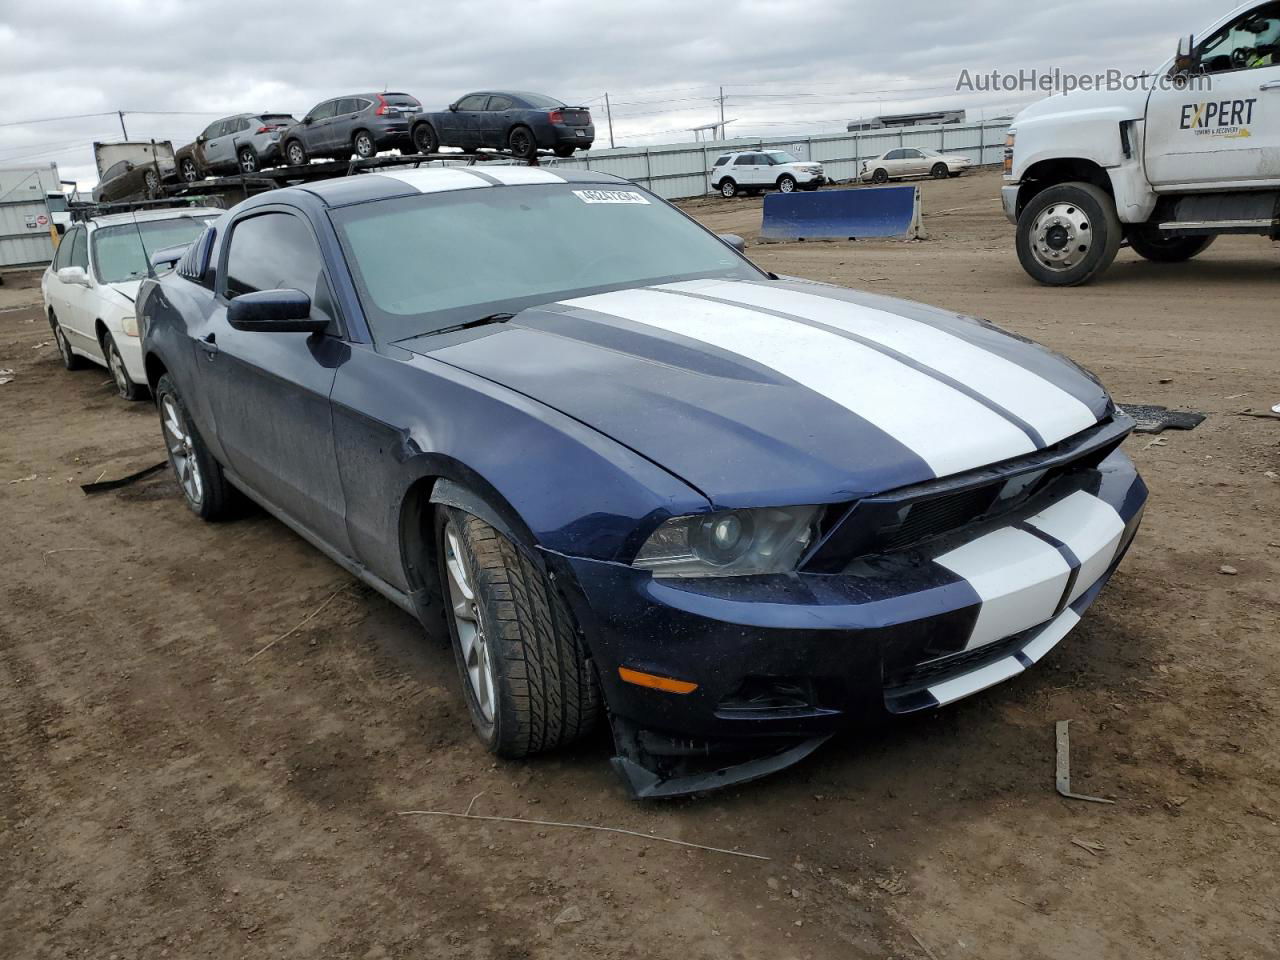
[1061,236]
[465,609]
[248,161]
[364,146]
[182,452]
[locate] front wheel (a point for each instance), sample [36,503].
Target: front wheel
[363,145]
[786,183]
[1159,247]
[526,678]
[880,176]
[199,475]
[1068,234]
[424,138]
[940,171]
[521,143]
[125,386]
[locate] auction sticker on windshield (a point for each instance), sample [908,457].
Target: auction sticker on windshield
[610,196]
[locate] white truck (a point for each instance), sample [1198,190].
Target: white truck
[1190,153]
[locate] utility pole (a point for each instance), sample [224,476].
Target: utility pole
[120,114]
[608,113]
[721,98]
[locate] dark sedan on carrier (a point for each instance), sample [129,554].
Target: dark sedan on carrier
[627,473]
[523,123]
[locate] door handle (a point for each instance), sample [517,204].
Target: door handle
[209,345]
[1270,85]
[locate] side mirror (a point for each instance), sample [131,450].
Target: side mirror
[168,258]
[735,241]
[274,311]
[1186,60]
[307,121]
[453,108]
[200,139]
[76,275]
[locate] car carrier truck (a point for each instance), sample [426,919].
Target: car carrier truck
[1165,165]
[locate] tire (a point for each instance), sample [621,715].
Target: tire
[151,181]
[564,152]
[248,160]
[526,677]
[363,145]
[1068,234]
[127,389]
[1150,243]
[940,171]
[880,176]
[425,139]
[521,142]
[71,361]
[200,478]
[190,172]
[295,154]
[728,189]
[786,183]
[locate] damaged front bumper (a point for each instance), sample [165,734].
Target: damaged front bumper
[779,664]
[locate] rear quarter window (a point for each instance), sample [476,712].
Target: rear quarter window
[721,161]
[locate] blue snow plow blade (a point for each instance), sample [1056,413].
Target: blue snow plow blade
[878,212]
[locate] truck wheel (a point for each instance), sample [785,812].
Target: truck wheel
[1068,234]
[525,674]
[1155,245]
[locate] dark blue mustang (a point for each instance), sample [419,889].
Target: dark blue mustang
[627,472]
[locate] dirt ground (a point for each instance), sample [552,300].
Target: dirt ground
[161,796]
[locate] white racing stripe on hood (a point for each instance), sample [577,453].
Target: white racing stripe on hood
[435,179]
[1054,413]
[519,176]
[951,432]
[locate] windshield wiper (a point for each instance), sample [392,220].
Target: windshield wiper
[481,322]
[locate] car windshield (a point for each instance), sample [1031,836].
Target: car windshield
[781,156]
[122,252]
[425,263]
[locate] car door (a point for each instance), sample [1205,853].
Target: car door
[318,134]
[268,392]
[497,118]
[78,313]
[342,129]
[744,169]
[217,148]
[468,120]
[914,163]
[893,163]
[1222,126]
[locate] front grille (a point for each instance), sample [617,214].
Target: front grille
[928,518]
[944,668]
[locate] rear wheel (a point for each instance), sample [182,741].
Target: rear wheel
[1159,247]
[728,189]
[564,152]
[424,138]
[248,160]
[880,176]
[786,183]
[127,389]
[295,153]
[70,360]
[1068,234]
[526,677]
[940,171]
[520,141]
[363,145]
[199,475]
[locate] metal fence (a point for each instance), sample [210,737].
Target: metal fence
[680,170]
[26,237]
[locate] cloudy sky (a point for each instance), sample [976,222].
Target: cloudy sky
[786,66]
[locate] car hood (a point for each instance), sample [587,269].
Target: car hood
[759,393]
[1123,104]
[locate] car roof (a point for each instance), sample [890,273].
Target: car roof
[145,216]
[390,183]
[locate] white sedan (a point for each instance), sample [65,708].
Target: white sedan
[90,287]
[913,162]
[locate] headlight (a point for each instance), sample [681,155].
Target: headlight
[733,543]
[1008,152]
[130,324]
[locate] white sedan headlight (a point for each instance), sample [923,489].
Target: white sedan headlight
[130,324]
[732,543]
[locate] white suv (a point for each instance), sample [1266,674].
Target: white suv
[91,285]
[754,170]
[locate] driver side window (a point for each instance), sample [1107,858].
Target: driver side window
[275,251]
[474,102]
[1248,43]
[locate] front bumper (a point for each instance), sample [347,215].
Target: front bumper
[781,663]
[1009,200]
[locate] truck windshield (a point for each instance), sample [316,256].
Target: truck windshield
[122,251]
[428,262]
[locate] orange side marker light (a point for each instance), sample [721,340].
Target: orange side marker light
[655,682]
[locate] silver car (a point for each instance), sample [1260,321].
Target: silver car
[913,162]
[247,142]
